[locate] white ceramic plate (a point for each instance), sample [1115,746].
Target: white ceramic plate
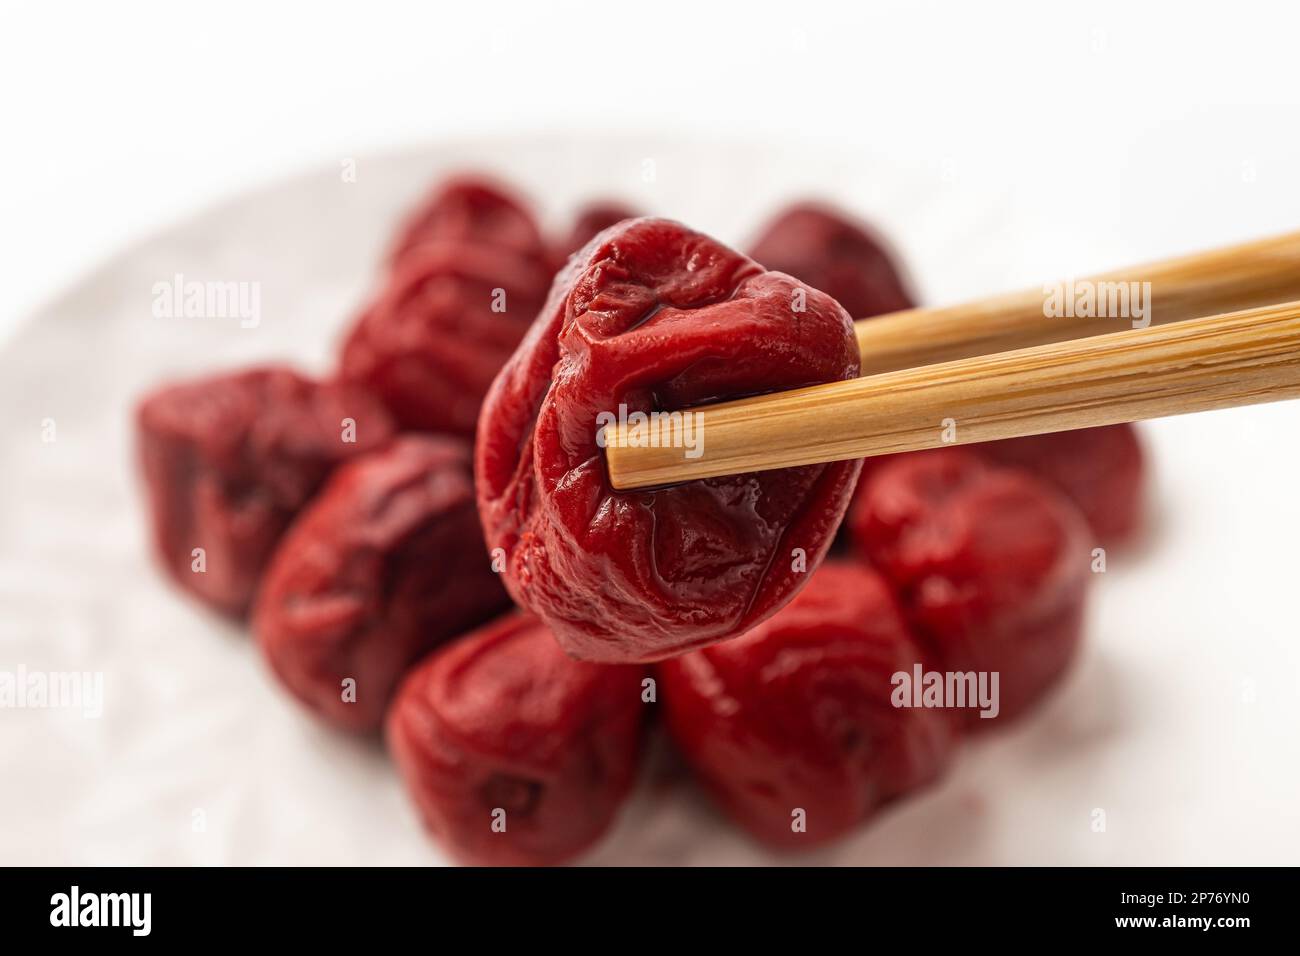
[1178,724]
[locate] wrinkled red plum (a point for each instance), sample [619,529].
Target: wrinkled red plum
[447,319]
[384,565]
[514,753]
[792,726]
[990,564]
[229,459]
[656,317]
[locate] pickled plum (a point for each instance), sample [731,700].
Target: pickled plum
[447,319]
[797,715]
[475,210]
[229,459]
[818,245]
[654,317]
[384,565]
[515,754]
[990,564]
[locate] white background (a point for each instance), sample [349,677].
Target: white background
[1005,144]
[1130,129]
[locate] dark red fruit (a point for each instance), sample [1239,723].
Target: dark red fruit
[1100,469]
[473,210]
[228,460]
[447,320]
[501,727]
[991,566]
[655,317]
[591,220]
[796,715]
[820,246]
[384,565]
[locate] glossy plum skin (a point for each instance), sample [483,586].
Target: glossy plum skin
[655,316]
[444,323]
[384,565]
[990,564]
[825,248]
[797,713]
[229,459]
[591,219]
[502,719]
[475,210]
[1102,470]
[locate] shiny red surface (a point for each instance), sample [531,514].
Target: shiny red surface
[384,565]
[229,459]
[503,720]
[991,566]
[430,345]
[657,317]
[797,712]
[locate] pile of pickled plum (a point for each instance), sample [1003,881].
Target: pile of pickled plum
[427,545]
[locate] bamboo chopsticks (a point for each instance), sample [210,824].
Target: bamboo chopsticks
[1208,283]
[1217,361]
